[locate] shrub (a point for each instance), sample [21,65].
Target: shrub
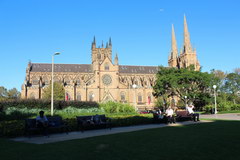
[71,112]
[45,104]
[208,108]
[235,107]
[222,106]
[15,128]
[113,107]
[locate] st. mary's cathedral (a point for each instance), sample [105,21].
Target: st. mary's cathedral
[105,79]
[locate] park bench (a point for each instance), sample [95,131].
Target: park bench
[157,119]
[88,122]
[182,115]
[54,123]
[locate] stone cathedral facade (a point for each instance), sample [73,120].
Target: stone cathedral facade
[105,79]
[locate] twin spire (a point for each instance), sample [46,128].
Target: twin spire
[187,44]
[187,47]
[174,52]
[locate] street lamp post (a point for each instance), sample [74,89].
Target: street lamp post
[135,103]
[215,99]
[57,53]
[185,97]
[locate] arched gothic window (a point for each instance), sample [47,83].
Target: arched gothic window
[123,96]
[139,98]
[79,97]
[149,98]
[67,96]
[91,96]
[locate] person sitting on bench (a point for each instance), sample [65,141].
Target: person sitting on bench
[195,116]
[170,116]
[97,119]
[42,122]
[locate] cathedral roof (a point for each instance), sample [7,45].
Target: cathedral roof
[87,68]
[138,69]
[47,67]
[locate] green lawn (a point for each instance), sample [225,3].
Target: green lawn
[217,140]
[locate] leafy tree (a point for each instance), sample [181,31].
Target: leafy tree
[13,93]
[237,71]
[58,89]
[3,93]
[232,85]
[183,82]
[219,78]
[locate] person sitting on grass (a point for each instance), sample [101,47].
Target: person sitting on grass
[195,116]
[170,116]
[42,122]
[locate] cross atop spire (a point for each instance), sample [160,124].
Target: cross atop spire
[187,44]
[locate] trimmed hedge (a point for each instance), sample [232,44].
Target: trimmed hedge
[34,103]
[16,128]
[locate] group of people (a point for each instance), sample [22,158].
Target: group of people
[170,113]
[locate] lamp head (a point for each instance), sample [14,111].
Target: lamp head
[134,86]
[214,86]
[56,53]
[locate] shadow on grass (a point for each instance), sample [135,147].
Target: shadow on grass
[216,140]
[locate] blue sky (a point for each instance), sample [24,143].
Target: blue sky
[140,31]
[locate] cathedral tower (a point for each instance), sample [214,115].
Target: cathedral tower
[99,54]
[188,55]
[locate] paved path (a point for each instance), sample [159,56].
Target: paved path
[229,116]
[92,133]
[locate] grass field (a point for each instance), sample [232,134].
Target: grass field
[217,140]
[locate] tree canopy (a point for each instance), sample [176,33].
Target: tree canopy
[58,89]
[232,85]
[9,94]
[183,82]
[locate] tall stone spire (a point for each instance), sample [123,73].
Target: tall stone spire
[94,42]
[116,59]
[187,44]
[173,56]
[102,45]
[110,42]
[174,52]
